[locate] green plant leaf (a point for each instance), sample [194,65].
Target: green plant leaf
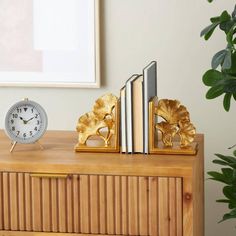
[223,200]
[234,177]
[230,193]
[211,77]
[229,85]
[231,205]
[226,101]
[219,177]
[225,16]
[226,25]
[228,216]
[216,175]
[234,12]
[229,35]
[215,19]
[232,70]
[228,159]
[218,58]
[234,95]
[208,31]
[227,172]
[219,162]
[227,60]
[215,91]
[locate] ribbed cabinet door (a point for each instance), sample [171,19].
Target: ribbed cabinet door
[92,204]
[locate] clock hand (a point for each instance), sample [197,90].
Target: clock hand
[24,121]
[29,119]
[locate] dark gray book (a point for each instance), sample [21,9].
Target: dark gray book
[150,90]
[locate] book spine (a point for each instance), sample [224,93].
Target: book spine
[150,90]
[123,121]
[129,117]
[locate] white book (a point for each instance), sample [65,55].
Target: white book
[150,90]
[129,113]
[123,120]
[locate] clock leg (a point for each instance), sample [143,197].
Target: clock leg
[13,146]
[40,145]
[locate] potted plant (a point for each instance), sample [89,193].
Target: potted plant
[221,80]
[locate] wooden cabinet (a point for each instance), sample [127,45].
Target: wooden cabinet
[59,192]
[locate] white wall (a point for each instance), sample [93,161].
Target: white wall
[134,32]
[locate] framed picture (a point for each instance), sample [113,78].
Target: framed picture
[49,43]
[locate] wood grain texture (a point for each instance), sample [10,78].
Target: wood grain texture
[1,202]
[46,211]
[94,204]
[36,204]
[143,206]
[76,206]
[21,201]
[198,193]
[153,206]
[54,205]
[58,156]
[103,193]
[69,205]
[110,201]
[13,200]
[133,205]
[118,205]
[62,203]
[28,203]
[187,207]
[102,205]
[163,206]
[84,204]
[172,206]
[179,207]
[6,202]
[124,209]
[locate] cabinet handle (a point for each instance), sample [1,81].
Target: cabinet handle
[59,176]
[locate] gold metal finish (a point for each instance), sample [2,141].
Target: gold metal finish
[13,146]
[102,125]
[42,175]
[175,122]
[40,145]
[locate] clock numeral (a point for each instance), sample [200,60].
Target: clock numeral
[36,116]
[35,128]
[14,115]
[31,133]
[18,110]
[13,128]
[12,121]
[17,133]
[37,122]
[24,135]
[32,110]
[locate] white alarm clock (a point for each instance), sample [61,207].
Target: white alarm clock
[26,122]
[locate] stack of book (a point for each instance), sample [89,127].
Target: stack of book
[134,97]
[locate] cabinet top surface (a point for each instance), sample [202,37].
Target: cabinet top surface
[58,156]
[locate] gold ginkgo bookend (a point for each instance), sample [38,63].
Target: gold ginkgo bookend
[99,129]
[175,128]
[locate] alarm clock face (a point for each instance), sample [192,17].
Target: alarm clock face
[26,122]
